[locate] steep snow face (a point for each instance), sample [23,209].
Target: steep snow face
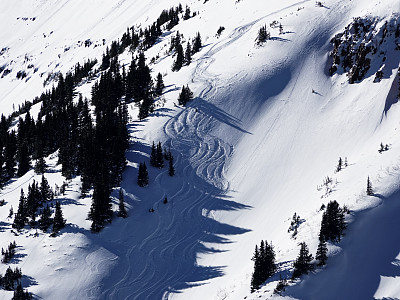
[267,126]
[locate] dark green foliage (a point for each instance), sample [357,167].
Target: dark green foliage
[264,264]
[188,54]
[10,277]
[45,219]
[187,13]
[303,264]
[23,159]
[185,95]
[121,207]
[58,220]
[339,165]
[179,60]
[159,156]
[197,44]
[370,191]
[263,35]
[21,215]
[9,253]
[46,194]
[322,251]
[333,223]
[143,176]
[153,157]
[159,85]
[19,293]
[171,169]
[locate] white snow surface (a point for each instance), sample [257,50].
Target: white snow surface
[250,150]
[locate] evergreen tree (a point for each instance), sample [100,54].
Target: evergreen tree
[302,265]
[143,176]
[333,222]
[45,190]
[159,156]
[197,43]
[121,207]
[153,159]
[185,95]
[340,165]
[58,220]
[322,251]
[188,54]
[179,60]
[264,264]
[40,166]
[171,169]
[19,293]
[187,13]
[21,215]
[263,35]
[370,191]
[159,85]
[23,159]
[45,219]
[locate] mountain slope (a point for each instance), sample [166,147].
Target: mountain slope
[267,125]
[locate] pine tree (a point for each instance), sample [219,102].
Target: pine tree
[333,222]
[21,215]
[197,43]
[45,219]
[19,293]
[322,251]
[40,166]
[23,159]
[45,190]
[159,85]
[143,176]
[178,63]
[302,265]
[340,165]
[153,159]
[159,156]
[187,13]
[185,95]
[188,54]
[370,191]
[58,220]
[121,207]
[263,35]
[171,169]
[264,264]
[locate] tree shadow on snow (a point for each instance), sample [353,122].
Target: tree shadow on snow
[210,109]
[158,251]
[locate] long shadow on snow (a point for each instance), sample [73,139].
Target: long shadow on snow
[158,250]
[370,247]
[210,109]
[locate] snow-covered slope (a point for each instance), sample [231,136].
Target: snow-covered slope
[267,126]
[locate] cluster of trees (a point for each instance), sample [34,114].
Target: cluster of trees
[12,281]
[157,157]
[332,229]
[10,278]
[185,95]
[184,58]
[263,35]
[294,224]
[28,209]
[341,164]
[9,253]
[264,264]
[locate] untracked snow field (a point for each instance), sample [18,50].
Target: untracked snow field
[266,126]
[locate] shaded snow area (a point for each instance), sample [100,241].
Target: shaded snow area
[264,131]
